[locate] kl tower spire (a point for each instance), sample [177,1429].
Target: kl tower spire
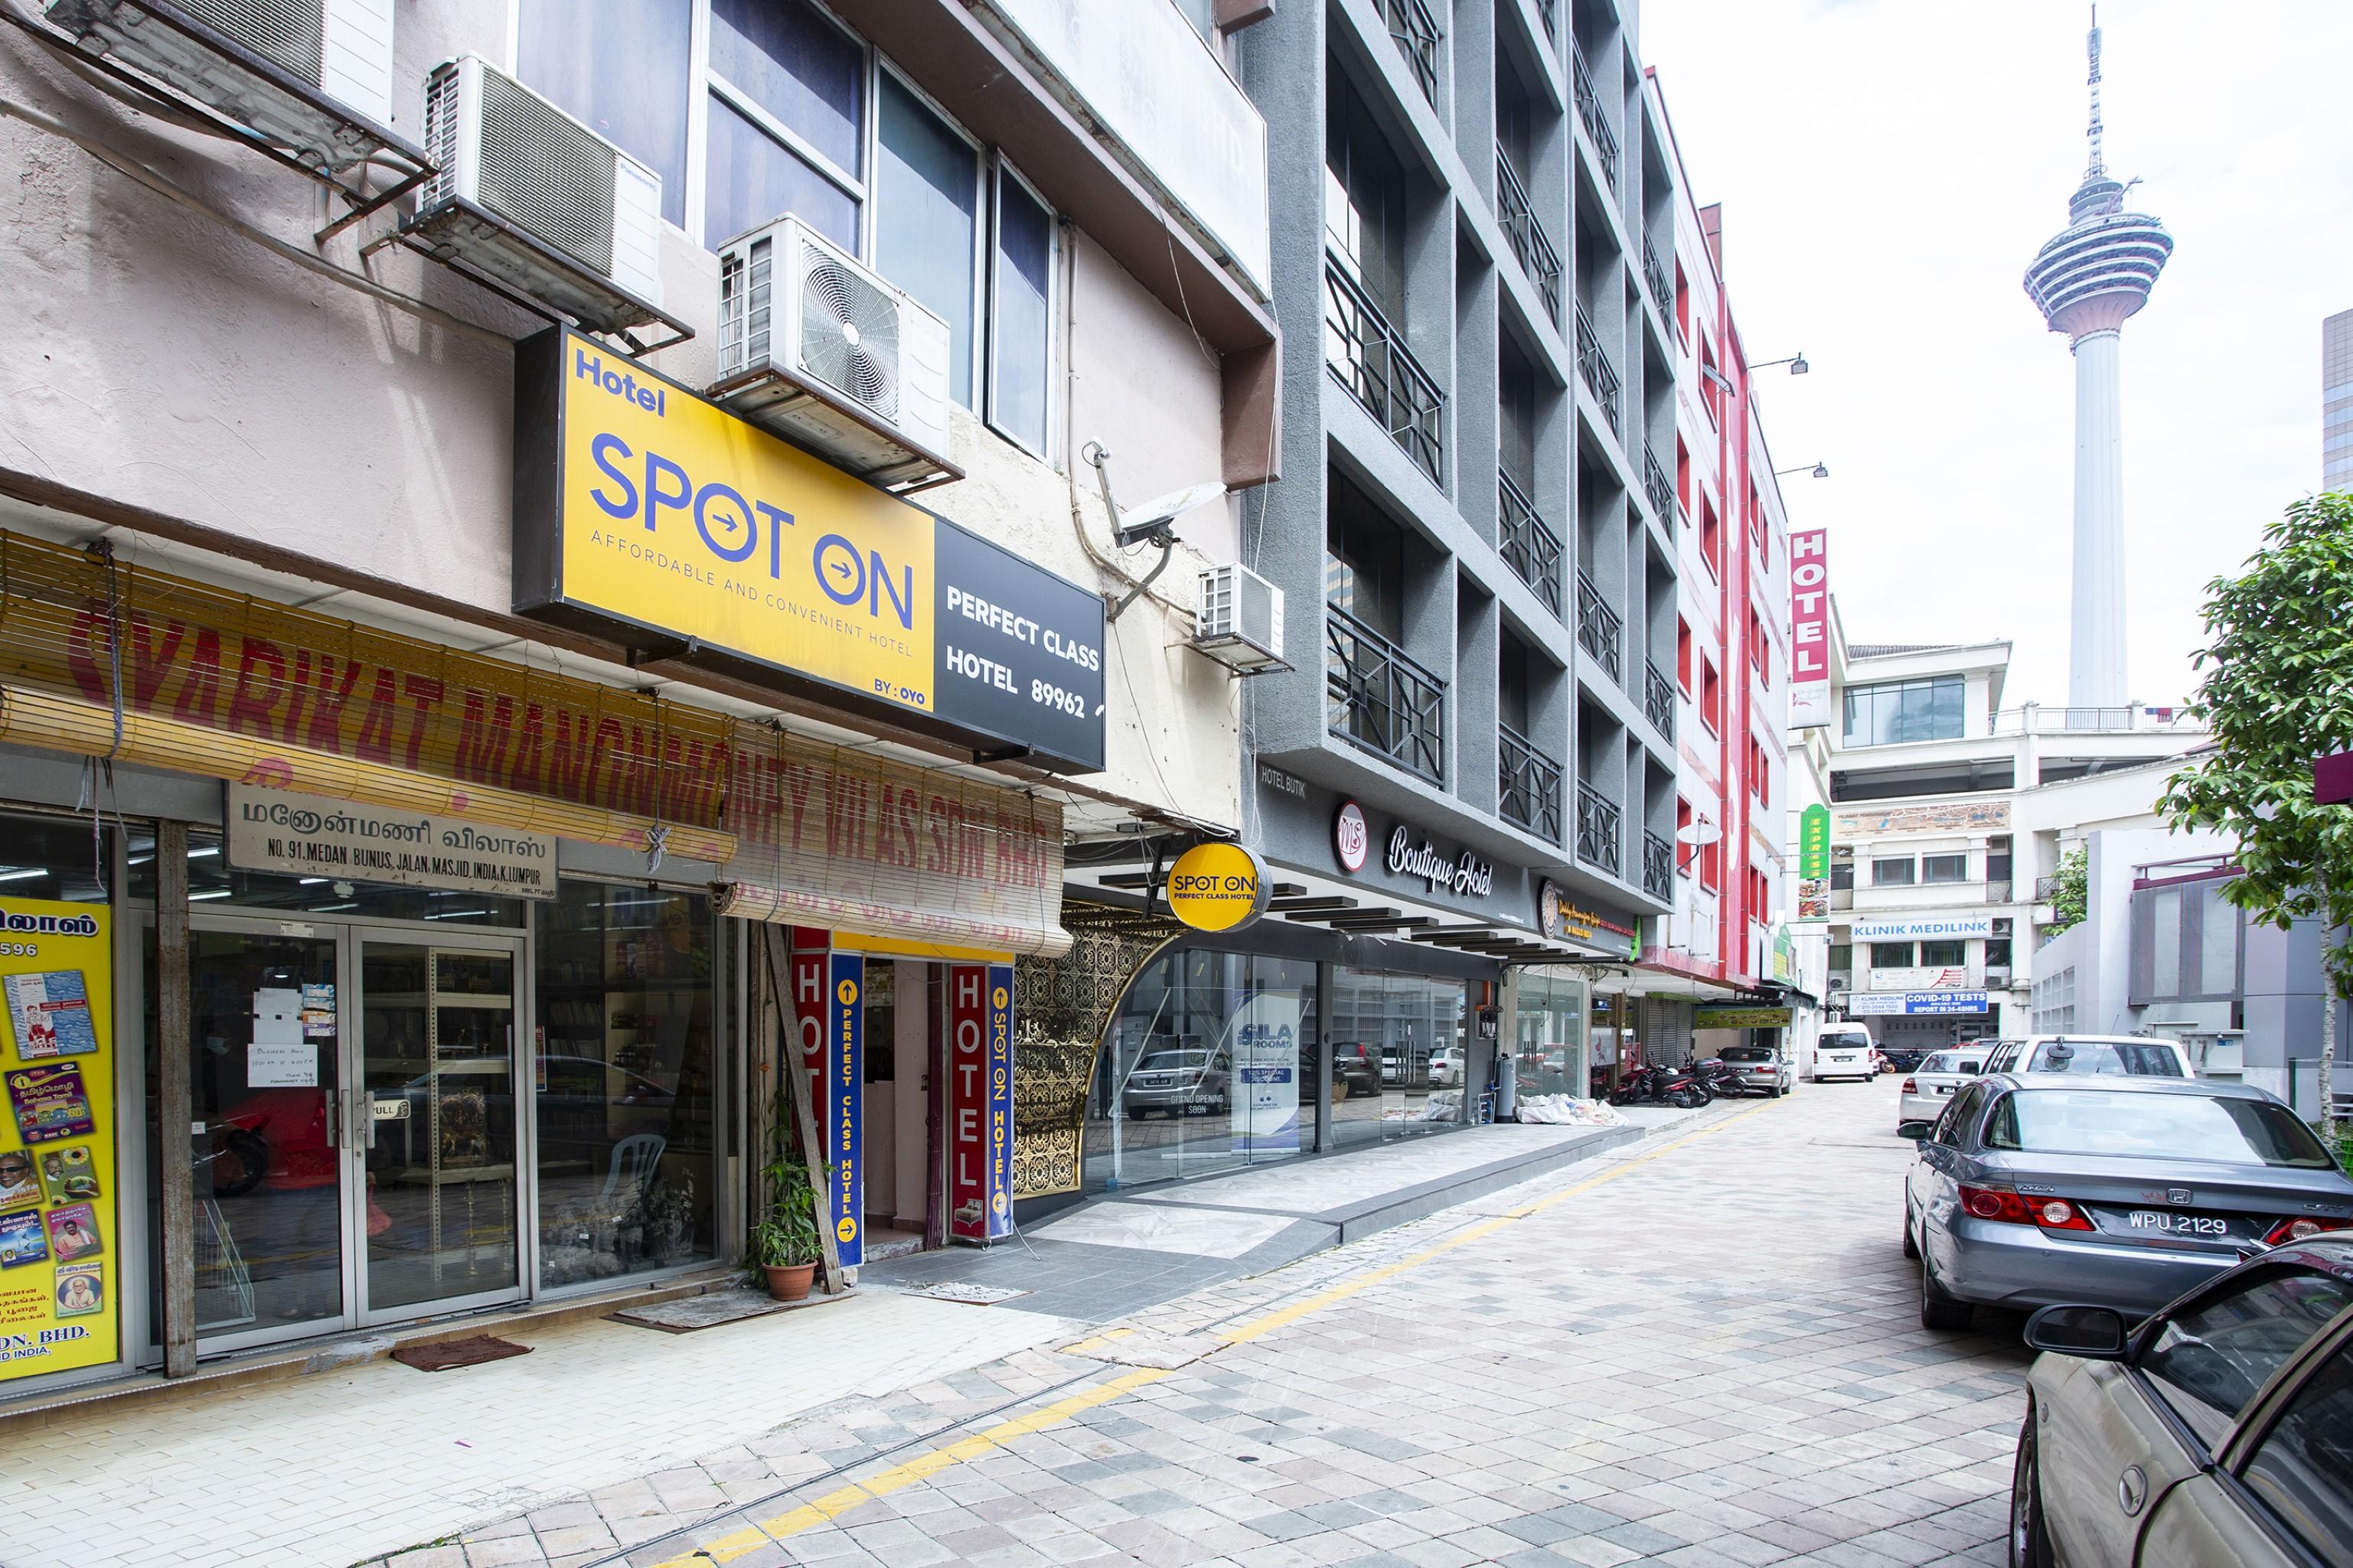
[2085,280]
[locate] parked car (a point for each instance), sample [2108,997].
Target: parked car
[1356,1068]
[2041,1188]
[1446,1069]
[2218,1431]
[1903,1058]
[2118,1055]
[1843,1052]
[1178,1081]
[1762,1069]
[1934,1082]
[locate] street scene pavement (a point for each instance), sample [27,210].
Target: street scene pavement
[1700,1348]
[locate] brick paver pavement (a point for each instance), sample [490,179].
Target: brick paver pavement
[1702,1349]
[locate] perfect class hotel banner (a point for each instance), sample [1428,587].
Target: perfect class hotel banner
[59,1231]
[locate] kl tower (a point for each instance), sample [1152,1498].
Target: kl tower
[2091,276]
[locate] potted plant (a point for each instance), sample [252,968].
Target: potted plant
[784,1240]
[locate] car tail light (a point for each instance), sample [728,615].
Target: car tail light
[2304,1229]
[2013,1209]
[1911,1085]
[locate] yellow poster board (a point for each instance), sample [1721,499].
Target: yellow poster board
[60,1242]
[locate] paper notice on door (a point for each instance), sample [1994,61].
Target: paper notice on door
[277,1016]
[318,1012]
[282,1064]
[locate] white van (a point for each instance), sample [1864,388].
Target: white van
[1845,1050]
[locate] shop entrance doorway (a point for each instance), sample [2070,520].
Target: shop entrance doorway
[355,1124]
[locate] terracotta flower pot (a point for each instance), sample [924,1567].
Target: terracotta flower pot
[790,1281]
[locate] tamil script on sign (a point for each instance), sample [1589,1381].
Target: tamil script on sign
[308,836]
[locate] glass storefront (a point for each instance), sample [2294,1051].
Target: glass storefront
[1399,1045]
[624,1082]
[1548,1050]
[1210,1064]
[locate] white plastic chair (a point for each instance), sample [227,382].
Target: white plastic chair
[635,1159]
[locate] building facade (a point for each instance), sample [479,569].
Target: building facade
[2336,401]
[1950,816]
[479,711]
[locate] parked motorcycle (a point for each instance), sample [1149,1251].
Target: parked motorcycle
[1720,1076]
[1662,1085]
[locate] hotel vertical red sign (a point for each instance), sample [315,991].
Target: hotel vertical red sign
[980,1102]
[1809,630]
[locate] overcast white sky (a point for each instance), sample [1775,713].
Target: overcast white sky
[1887,169]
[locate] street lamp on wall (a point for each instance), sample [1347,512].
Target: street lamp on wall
[1820,470]
[1796,362]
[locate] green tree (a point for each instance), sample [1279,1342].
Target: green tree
[2068,891]
[2277,692]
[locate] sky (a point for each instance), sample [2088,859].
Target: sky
[1888,168]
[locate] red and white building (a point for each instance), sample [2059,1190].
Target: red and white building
[1732,642]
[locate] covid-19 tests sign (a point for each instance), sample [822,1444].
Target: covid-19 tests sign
[646,514]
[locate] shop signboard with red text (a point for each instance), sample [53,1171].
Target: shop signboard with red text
[980,1102]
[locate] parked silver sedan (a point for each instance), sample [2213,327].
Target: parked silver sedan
[1931,1086]
[2220,1431]
[2036,1188]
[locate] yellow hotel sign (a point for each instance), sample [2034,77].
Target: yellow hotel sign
[640,506]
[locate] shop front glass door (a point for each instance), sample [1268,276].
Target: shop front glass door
[267,1153]
[434,1124]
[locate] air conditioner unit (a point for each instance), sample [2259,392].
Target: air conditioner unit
[313,77]
[1238,619]
[535,201]
[816,347]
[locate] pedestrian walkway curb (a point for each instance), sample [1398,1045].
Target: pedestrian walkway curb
[1357,1221]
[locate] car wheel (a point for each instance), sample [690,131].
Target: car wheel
[1942,1312]
[1911,1243]
[2029,1538]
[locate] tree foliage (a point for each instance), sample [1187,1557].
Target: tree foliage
[2069,893]
[2277,690]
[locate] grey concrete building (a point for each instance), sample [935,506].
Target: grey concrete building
[2336,401]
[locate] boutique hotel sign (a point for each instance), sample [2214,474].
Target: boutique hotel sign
[646,514]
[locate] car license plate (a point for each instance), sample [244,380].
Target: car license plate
[2160,1222]
[1944,1088]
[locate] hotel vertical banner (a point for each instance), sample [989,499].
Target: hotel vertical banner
[1814,863]
[1809,630]
[60,1233]
[844,1104]
[980,1102]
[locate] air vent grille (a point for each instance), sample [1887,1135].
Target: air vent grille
[289,34]
[850,332]
[545,174]
[444,91]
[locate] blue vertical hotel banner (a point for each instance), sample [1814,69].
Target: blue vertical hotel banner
[845,1079]
[1000,1025]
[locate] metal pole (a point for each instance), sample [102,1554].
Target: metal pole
[174,1109]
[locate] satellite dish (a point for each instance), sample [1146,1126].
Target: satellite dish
[1135,521]
[1700,832]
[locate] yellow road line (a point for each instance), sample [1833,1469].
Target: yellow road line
[835,1503]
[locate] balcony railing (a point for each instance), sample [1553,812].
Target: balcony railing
[1594,365]
[1600,628]
[2036,720]
[1378,697]
[1527,545]
[1415,32]
[1658,487]
[1588,109]
[1662,281]
[1658,865]
[1529,785]
[1659,699]
[1549,10]
[1372,362]
[1538,260]
[1597,828]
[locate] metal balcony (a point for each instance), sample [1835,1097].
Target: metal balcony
[1658,487]
[1662,281]
[1549,10]
[1538,260]
[1659,699]
[1594,365]
[1378,697]
[1588,109]
[1529,785]
[1658,865]
[1528,546]
[1371,359]
[1600,628]
[1415,32]
[1597,828]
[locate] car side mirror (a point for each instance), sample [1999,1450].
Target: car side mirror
[2096,1333]
[1916,1130]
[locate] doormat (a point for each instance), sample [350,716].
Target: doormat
[965,1291]
[713,1308]
[443,1354]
